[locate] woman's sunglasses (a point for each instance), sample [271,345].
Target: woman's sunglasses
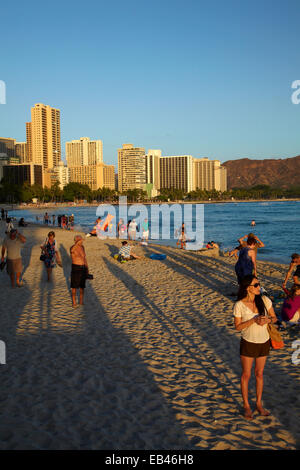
[255,285]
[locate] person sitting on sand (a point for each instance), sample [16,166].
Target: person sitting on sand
[290,310]
[93,233]
[252,313]
[22,222]
[125,253]
[294,264]
[211,245]
[79,270]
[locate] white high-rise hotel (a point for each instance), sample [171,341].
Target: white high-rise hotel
[154,172]
[84,152]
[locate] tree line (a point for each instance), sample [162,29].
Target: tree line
[74,192]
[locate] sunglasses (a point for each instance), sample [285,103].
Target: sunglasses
[255,285]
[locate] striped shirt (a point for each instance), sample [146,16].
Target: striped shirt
[125,251]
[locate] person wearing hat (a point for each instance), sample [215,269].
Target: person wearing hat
[79,269]
[12,245]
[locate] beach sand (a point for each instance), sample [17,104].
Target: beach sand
[151,361]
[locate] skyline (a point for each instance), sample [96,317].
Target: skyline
[188,79]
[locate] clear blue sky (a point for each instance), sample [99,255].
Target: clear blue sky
[187,77]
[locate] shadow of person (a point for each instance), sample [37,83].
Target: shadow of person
[84,385]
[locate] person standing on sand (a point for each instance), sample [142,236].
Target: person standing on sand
[79,269]
[12,244]
[252,313]
[132,226]
[49,250]
[246,263]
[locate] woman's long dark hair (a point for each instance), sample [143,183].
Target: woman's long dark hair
[242,293]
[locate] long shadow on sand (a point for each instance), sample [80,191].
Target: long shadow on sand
[206,330]
[87,389]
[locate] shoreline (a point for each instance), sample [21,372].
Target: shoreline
[154,243]
[74,205]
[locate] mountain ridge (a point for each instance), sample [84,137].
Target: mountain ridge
[247,172]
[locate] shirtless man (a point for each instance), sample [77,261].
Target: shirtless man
[79,269]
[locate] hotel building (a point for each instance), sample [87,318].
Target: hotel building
[95,176]
[209,175]
[23,173]
[43,136]
[21,151]
[7,148]
[152,162]
[176,172]
[131,168]
[84,152]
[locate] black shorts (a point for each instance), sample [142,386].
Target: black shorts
[78,276]
[254,349]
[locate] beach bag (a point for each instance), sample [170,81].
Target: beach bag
[275,337]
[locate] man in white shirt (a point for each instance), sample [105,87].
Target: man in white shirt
[12,244]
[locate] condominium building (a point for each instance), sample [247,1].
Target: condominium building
[109,176]
[176,172]
[209,175]
[152,162]
[95,176]
[29,141]
[84,152]
[21,151]
[131,168]
[7,147]
[23,173]
[220,178]
[62,174]
[43,136]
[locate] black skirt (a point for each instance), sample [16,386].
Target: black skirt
[78,276]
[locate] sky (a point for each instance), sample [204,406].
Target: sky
[207,79]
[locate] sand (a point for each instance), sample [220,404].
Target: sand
[151,361]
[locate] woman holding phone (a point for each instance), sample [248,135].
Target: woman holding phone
[252,313]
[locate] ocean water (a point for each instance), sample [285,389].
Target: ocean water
[277,224]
